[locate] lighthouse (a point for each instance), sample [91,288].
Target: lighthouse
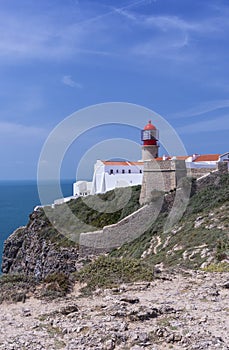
[149,137]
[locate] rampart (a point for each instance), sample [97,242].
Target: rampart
[126,230]
[134,225]
[161,176]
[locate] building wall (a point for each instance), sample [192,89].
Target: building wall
[149,152]
[126,169]
[198,172]
[82,188]
[161,176]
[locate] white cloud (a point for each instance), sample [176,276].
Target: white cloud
[203,108]
[67,80]
[20,131]
[90,31]
[125,14]
[43,36]
[216,124]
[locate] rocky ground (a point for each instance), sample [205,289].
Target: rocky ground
[183,310]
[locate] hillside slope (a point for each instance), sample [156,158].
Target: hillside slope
[201,236]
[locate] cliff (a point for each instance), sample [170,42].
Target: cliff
[39,249]
[198,239]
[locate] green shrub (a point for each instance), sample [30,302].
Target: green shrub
[219,267]
[56,285]
[106,272]
[222,249]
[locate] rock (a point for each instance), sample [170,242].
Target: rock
[226,285]
[109,345]
[30,251]
[26,312]
[69,309]
[131,300]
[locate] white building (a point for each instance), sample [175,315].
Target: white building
[82,188]
[109,175]
[112,174]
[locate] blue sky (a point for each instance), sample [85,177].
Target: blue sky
[57,57]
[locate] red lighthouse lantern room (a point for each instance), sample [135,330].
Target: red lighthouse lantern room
[149,135]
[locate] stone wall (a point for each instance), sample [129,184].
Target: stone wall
[161,176]
[198,172]
[213,178]
[223,167]
[155,179]
[126,230]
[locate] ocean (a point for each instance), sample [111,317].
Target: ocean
[17,201]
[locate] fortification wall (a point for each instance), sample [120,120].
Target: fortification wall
[213,177]
[134,225]
[198,172]
[126,230]
[161,176]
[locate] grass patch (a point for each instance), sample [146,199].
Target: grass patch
[82,213]
[220,267]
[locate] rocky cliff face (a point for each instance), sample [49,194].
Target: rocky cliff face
[198,239]
[37,250]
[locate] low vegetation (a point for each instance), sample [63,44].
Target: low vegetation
[201,233]
[218,267]
[79,215]
[56,285]
[14,287]
[107,272]
[199,240]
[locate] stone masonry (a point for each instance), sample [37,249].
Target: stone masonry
[161,176]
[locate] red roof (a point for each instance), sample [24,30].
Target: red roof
[200,158]
[207,158]
[150,126]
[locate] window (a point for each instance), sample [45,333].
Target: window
[140,171]
[111,171]
[123,171]
[129,171]
[117,171]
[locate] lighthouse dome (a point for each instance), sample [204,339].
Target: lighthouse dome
[149,126]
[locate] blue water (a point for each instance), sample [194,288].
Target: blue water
[17,201]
